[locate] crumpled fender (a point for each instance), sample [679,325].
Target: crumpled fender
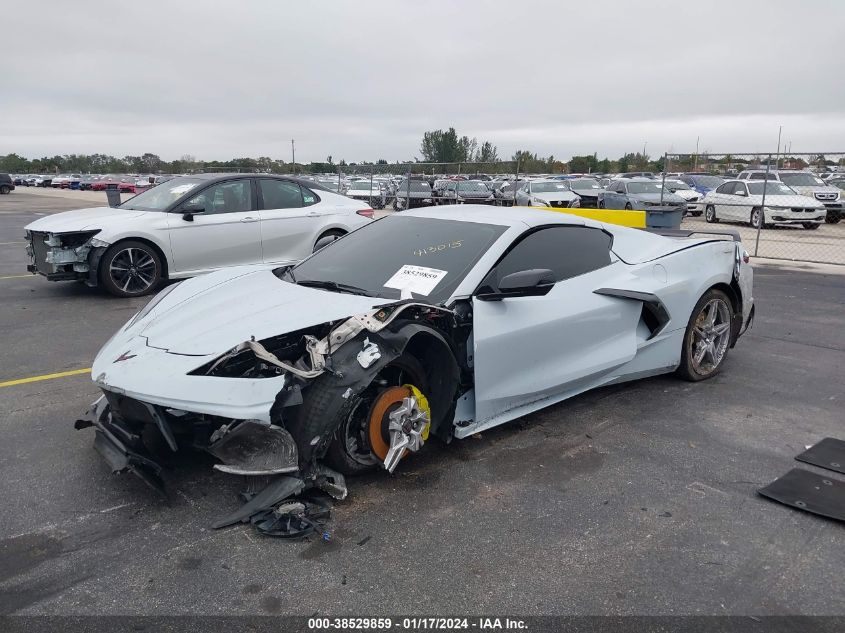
[350,379]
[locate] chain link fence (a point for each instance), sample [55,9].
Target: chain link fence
[785,205]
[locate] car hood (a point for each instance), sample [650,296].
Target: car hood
[83,219]
[213,313]
[809,190]
[686,194]
[777,200]
[655,197]
[554,195]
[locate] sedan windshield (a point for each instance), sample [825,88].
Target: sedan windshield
[161,197]
[711,182]
[472,186]
[549,187]
[584,184]
[362,184]
[677,185]
[772,189]
[428,256]
[645,187]
[804,179]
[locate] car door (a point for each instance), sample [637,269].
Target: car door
[720,199]
[523,195]
[527,349]
[741,206]
[223,229]
[291,216]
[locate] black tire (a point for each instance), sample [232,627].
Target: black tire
[4,189]
[710,214]
[833,217]
[811,226]
[148,272]
[628,206]
[689,369]
[318,400]
[327,238]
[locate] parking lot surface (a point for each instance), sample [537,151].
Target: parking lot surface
[633,499]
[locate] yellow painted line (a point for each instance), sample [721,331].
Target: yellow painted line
[61,374]
[17,276]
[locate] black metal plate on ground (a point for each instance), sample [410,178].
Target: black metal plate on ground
[829,453]
[808,491]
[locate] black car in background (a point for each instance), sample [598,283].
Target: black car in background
[7,185]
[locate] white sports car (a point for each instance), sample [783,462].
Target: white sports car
[430,322]
[188,226]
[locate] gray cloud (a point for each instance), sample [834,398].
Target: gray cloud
[364,80]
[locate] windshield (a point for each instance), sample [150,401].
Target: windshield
[161,197]
[772,189]
[803,179]
[549,187]
[677,185]
[472,187]
[362,184]
[428,256]
[645,187]
[837,183]
[417,186]
[710,182]
[584,184]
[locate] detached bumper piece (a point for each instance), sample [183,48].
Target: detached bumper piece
[810,492]
[829,454]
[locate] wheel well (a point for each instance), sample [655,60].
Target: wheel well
[154,246]
[442,373]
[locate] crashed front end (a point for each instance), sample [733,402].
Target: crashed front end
[242,407]
[64,256]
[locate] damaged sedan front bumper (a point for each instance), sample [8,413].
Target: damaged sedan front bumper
[65,256]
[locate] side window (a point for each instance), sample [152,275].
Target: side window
[743,176]
[568,251]
[620,187]
[309,197]
[280,194]
[739,188]
[234,196]
[728,187]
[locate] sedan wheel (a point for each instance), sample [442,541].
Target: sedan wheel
[130,269]
[757,218]
[710,214]
[708,337]
[810,226]
[327,238]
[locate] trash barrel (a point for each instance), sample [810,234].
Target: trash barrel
[664,219]
[113,195]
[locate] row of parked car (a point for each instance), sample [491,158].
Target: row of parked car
[90,182]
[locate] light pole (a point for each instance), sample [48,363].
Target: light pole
[293,154]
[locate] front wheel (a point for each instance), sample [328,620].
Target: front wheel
[601,204]
[628,206]
[833,217]
[710,214]
[810,226]
[130,269]
[758,219]
[361,438]
[4,189]
[708,337]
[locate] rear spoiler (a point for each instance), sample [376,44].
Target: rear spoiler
[734,235]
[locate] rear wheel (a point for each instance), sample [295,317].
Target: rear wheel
[811,226]
[4,189]
[710,214]
[833,217]
[708,337]
[130,269]
[327,238]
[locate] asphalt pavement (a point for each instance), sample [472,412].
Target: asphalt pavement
[633,499]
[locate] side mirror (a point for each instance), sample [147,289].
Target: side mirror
[525,283]
[190,210]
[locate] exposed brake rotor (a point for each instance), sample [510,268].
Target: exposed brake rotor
[399,422]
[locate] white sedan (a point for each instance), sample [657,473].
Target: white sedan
[742,201]
[547,193]
[188,226]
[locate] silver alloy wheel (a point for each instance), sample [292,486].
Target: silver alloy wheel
[710,212]
[133,270]
[756,218]
[711,335]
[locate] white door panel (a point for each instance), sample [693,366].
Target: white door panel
[214,241]
[288,235]
[531,348]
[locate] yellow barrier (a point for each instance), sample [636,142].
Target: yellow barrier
[622,217]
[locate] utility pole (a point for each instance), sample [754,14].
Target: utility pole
[695,164]
[293,155]
[777,156]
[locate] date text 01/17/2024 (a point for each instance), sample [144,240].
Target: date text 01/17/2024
[416,623]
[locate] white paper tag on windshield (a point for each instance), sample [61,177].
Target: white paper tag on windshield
[418,279]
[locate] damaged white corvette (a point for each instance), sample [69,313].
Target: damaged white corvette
[426,323]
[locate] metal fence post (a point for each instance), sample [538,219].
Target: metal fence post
[408,200]
[762,206]
[663,182]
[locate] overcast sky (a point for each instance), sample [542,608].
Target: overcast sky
[363,80]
